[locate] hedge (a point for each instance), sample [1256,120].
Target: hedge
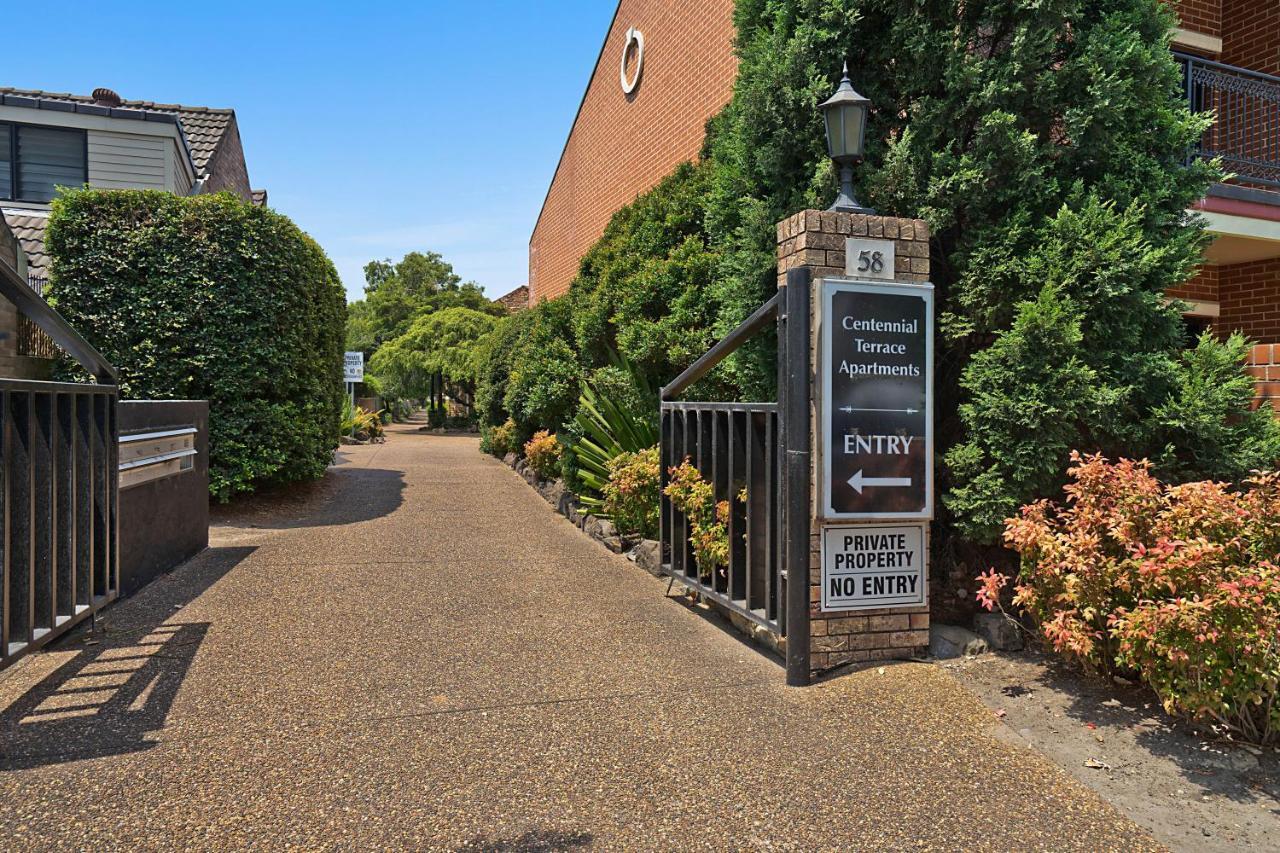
[207,297]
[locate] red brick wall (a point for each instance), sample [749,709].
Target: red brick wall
[1202,288]
[1201,16]
[622,145]
[1249,297]
[1251,34]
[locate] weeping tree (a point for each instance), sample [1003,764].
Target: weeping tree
[435,359]
[1047,145]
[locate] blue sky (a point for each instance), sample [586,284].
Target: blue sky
[379,127]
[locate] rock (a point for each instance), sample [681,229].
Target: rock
[510,459]
[531,476]
[999,631]
[591,526]
[567,505]
[346,439]
[648,556]
[552,490]
[952,641]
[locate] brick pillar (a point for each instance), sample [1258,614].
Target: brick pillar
[816,239]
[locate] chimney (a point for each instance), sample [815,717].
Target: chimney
[104,97]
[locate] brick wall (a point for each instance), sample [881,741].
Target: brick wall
[1251,34]
[227,170]
[1249,299]
[1202,288]
[816,239]
[1264,364]
[1201,16]
[621,145]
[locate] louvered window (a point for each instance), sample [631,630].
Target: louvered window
[37,160]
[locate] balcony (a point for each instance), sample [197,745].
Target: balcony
[1246,132]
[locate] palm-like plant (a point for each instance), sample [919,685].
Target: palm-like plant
[606,428]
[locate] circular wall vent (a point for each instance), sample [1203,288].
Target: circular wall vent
[636,38]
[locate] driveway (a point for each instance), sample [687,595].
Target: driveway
[418,653]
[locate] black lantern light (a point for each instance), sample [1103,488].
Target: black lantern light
[846,117]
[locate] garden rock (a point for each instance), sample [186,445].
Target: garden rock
[591,526]
[999,631]
[567,505]
[510,459]
[952,641]
[648,556]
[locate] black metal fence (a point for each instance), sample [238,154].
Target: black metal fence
[755,457]
[59,447]
[735,447]
[1246,129]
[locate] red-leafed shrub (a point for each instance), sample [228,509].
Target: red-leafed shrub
[1178,584]
[543,454]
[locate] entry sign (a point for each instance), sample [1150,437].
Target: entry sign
[877,400]
[353,367]
[866,567]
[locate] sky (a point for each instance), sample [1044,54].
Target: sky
[379,127]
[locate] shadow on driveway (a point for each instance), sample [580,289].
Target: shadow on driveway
[118,684]
[347,495]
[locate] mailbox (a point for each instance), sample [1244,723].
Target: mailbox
[149,456]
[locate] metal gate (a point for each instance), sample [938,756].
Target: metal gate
[58,444]
[755,456]
[59,455]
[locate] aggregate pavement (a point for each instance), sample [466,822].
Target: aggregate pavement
[418,653]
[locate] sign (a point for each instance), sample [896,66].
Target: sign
[876,364]
[353,367]
[864,567]
[869,258]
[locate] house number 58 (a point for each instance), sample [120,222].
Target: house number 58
[870,261]
[864,258]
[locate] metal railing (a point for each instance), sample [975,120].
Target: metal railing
[1246,129]
[58,524]
[755,456]
[735,448]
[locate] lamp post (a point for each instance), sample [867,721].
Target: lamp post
[845,113]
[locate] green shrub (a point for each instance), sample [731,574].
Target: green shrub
[633,493]
[207,297]
[543,454]
[1177,584]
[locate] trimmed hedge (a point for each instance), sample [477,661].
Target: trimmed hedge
[207,297]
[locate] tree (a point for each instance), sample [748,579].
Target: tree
[1045,144]
[397,293]
[436,357]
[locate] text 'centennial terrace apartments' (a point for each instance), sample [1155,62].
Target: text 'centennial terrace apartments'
[667,66]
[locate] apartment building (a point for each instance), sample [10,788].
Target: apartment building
[667,66]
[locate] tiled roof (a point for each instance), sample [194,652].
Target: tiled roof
[203,127]
[28,226]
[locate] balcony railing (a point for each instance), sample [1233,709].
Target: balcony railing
[1246,131]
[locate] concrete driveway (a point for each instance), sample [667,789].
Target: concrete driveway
[418,653]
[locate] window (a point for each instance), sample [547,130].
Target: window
[36,160]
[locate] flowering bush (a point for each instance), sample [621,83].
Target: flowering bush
[1178,584]
[543,454]
[708,520]
[631,496]
[500,440]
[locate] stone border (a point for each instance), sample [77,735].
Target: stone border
[645,553]
[642,552]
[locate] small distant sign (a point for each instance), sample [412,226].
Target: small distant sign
[353,367]
[865,567]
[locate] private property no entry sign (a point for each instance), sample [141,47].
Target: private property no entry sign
[876,371]
[867,567]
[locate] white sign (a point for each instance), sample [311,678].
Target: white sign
[353,367]
[869,258]
[865,567]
